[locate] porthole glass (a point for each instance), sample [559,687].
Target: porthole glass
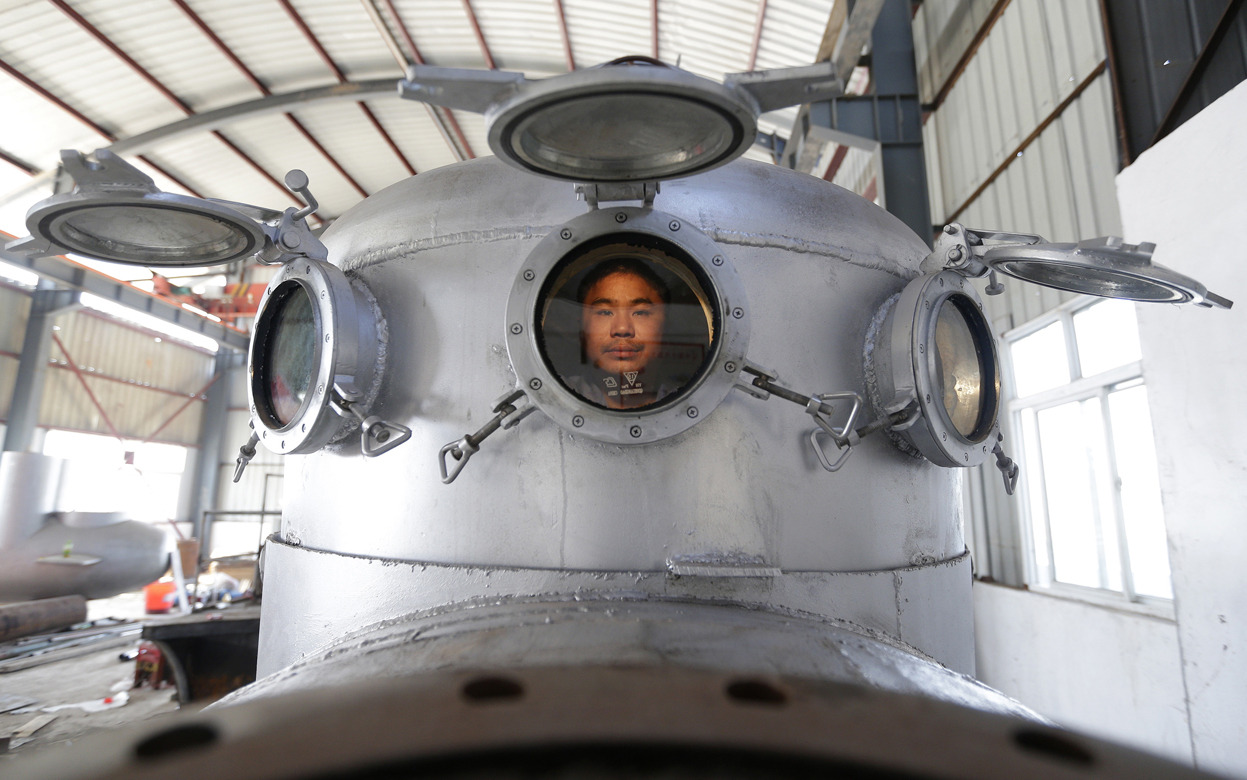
[625,322]
[288,361]
[959,369]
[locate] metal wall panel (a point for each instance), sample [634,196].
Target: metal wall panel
[158,377]
[441,30]
[1036,55]
[942,33]
[523,35]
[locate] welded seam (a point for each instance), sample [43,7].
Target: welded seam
[806,247]
[408,248]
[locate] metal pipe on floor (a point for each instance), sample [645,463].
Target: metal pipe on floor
[31,617]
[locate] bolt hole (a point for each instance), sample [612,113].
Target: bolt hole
[492,689]
[176,740]
[1053,745]
[756,692]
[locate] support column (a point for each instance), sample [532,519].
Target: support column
[208,464]
[889,119]
[45,303]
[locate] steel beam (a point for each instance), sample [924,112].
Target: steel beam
[45,303]
[890,118]
[78,277]
[211,439]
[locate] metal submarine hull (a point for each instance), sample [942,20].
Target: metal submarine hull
[711,603]
[543,511]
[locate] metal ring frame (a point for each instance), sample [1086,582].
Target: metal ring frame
[905,368]
[50,219]
[346,354]
[672,416]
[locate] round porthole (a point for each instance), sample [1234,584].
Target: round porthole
[316,334]
[932,354]
[627,326]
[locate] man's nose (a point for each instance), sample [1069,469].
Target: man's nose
[622,327]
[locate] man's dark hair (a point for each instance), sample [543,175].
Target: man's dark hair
[623,265]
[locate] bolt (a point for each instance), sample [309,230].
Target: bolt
[290,239]
[729,367]
[635,431]
[264,434]
[320,389]
[944,436]
[307,269]
[928,398]
[621,217]
[534,383]
[324,294]
[717,259]
[565,234]
[692,412]
[949,229]
[941,281]
[326,338]
[303,428]
[674,225]
[529,276]
[922,348]
[984,448]
[954,254]
[967,457]
[517,328]
[578,421]
[738,312]
[382,435]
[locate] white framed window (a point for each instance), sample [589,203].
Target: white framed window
[1090,490]
[105,474]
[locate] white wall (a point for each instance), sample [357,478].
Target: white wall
[1188,194]
[1108,673]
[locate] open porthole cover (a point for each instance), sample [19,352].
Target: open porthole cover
[116,213]
[934,352]
[313,329]
[638,120]
[584,382]
[1105,267]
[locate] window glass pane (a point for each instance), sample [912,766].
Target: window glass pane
[97,477]
[1040,361]
[1140,491]
[1107,335]
[1084,549]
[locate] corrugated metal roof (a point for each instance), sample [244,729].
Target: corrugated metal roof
[63,58]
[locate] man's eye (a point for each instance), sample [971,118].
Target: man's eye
[642,312]
[602,312]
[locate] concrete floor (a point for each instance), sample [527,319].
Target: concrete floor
[71,688]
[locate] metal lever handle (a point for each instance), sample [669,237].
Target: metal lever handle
[297,182]
[245,454]
[1008,469]
[507,415]
[844,437]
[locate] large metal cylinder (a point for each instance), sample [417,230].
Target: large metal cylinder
[31,617]
[546,509]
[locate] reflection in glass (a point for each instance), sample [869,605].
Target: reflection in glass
[150,234]
[958,369]
[1107,334]
[623,136]
[625,324]
[289,360]
[1039,361]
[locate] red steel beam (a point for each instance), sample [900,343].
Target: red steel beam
[757,36]
[73,366]
[480,36]
[567,41]
[195,397]
[419,60]
[105,41]
[341,77]
[18,163]
[54,363]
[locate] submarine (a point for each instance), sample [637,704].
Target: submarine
[612,455]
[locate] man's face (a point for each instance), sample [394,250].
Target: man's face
[622,322]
